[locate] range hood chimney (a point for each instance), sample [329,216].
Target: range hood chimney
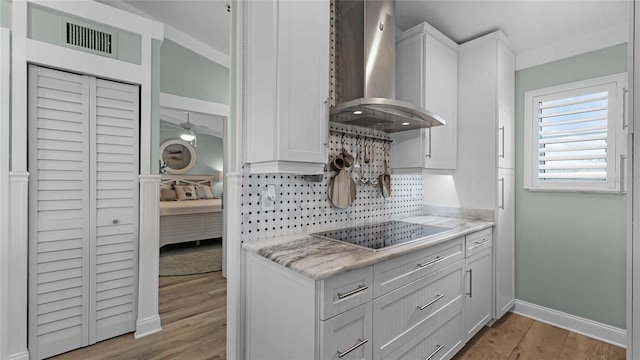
[363,51]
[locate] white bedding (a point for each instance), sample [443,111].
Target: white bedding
[190,207]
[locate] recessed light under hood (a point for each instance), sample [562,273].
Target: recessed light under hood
[363,51]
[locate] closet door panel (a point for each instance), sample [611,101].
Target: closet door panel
[59,212]
[114,187]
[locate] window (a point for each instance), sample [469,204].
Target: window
[575,136]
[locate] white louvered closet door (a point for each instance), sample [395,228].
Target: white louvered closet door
[83,210]
[114,216]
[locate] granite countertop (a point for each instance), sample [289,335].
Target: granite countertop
[321,259]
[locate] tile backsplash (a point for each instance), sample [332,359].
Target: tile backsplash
[302,206]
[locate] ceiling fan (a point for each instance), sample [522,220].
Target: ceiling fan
[188,134]
[188,129]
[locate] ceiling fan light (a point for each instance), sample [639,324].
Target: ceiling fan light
[188,135]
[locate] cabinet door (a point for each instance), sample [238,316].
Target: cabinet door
[409,69]
[504,244]
[348,335]
[408,146]
[506,94]
[479,292]
[427,76]
[303,70]
[287,75]
[441,97]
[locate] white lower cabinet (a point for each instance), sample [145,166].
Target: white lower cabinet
[348,335]
[478,308]
[410,307]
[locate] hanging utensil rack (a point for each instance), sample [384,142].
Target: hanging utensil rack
[342,129]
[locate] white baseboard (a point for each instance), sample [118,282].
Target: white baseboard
[19,356]
[147,327]
[586,327]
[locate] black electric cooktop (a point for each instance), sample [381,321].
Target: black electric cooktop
[383,235]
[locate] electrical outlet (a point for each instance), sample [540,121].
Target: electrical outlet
[268,198]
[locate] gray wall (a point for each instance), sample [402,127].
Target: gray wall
[208,153]
[570,247]
[185,73]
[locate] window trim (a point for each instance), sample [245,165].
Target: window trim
[616,137]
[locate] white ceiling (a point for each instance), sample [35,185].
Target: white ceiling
[203,123]
[529,24]
[207,21]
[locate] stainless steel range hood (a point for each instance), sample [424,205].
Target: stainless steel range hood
[363,51]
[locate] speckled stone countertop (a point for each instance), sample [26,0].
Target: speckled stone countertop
[321,259]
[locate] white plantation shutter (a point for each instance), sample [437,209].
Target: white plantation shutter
[114,183]
[83,163]
[571,136]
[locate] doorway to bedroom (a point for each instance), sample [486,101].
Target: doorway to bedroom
[192,168]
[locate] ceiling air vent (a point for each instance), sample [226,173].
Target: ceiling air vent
[88,38]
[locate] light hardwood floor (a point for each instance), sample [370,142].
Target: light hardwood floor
[193,312]
[517,337]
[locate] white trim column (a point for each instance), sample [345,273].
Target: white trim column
[18,248]
[235,281]
[5,116]
[148,318]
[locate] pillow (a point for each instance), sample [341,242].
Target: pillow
[186,192]
[204,192]
[168,193]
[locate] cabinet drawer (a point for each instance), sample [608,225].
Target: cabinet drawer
[394,273]
[440,341]
[345,291]
[478,241]
[409,310]
[348,334]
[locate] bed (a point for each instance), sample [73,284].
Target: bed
[190,219]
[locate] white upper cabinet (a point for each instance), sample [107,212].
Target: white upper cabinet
[505,102]
[286,72]
[427,75]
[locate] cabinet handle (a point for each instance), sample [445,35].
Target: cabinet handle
[438,297]
[478,243]
[429,147]
[624,109]
[502,191]
[438,258]
[360,288]
[438,348]
[470,293]
[357,345]
[326,115]
[502,142]
[622,159]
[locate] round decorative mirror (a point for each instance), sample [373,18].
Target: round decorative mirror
[178,156]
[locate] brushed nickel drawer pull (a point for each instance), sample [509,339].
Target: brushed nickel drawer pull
[438,258]
[438,297]
[360,288]
[357,345]
[478,243]
[438,348]
[470,293]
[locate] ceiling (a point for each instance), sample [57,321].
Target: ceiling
[529,24]
[207,21]
[203,123]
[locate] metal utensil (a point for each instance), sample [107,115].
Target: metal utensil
[372,179]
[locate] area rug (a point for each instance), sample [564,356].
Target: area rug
[190,258]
